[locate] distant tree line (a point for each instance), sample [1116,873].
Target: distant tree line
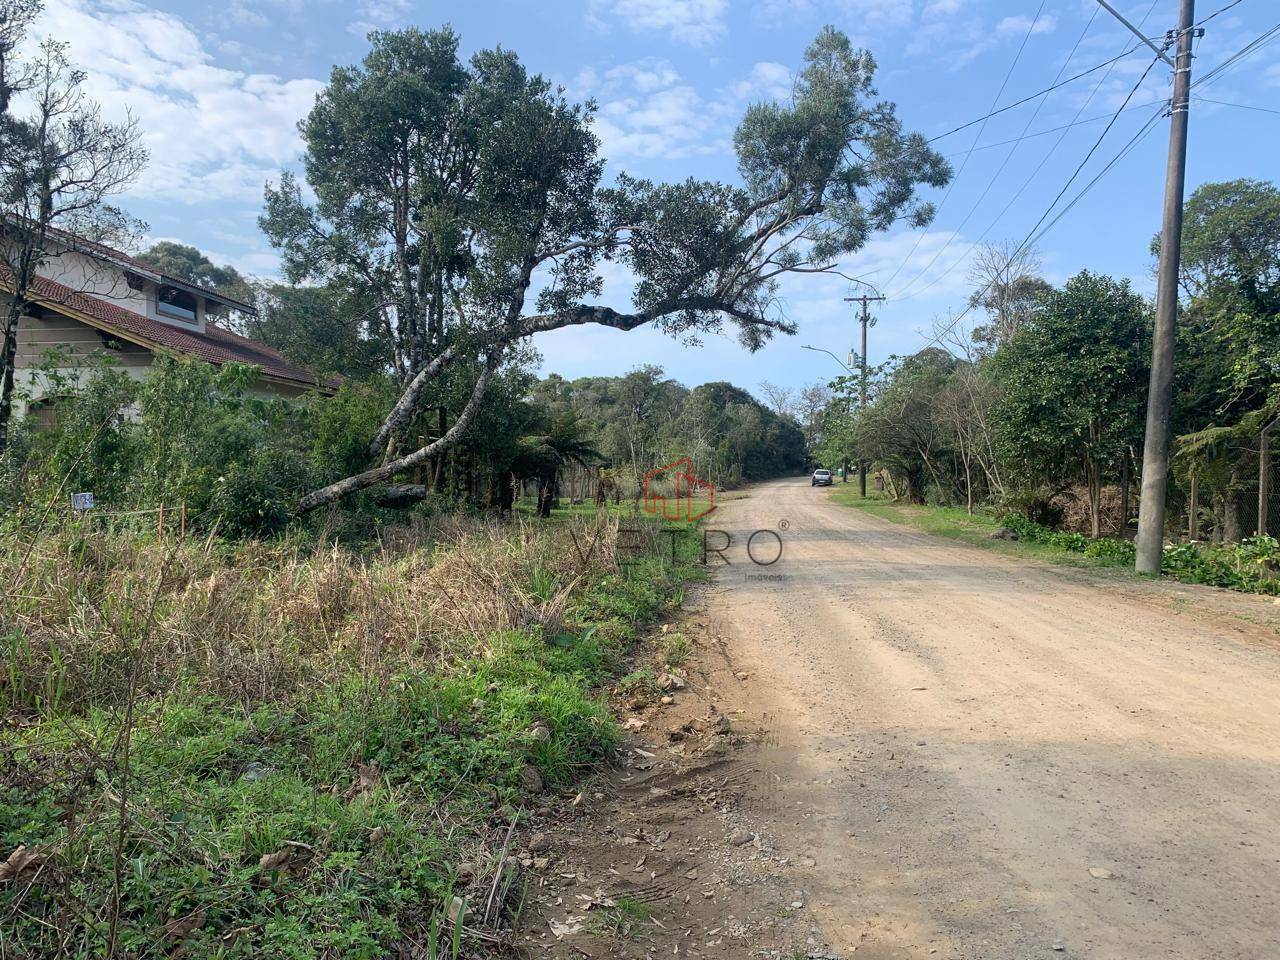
[644,420]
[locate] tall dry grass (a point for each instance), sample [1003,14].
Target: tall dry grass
[261,620]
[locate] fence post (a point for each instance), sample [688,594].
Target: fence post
[1264,457]
[1193,511]
[182,523]
[160,524]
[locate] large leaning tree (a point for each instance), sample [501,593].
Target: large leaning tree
[463,204]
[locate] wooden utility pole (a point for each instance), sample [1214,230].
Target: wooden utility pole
[1155,449]
[862,364]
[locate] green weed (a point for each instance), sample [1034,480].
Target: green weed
[620,919]
[317,742]
[676,649]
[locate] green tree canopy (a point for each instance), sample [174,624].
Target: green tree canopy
[1229,332]
[463,204]
[1073,386]
[188,263]
[319,327]
[899,428]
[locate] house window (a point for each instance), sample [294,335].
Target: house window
[172,302]
[43,413]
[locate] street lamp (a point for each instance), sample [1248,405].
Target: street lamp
[805,346]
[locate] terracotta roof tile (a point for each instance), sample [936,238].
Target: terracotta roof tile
[216,345]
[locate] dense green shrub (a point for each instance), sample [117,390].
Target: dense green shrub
[340,427]
[191,434]
[1252,566]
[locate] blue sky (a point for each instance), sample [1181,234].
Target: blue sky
[219,89]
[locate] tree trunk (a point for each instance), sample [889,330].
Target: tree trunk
[336,491]
[398,495]
[1231,516]
[9,348]
[1231,507]
[1124,495]
[8,359]
[506,492]
[1093,480]
[442,424]
[546,495]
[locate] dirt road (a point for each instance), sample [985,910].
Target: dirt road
[984,758]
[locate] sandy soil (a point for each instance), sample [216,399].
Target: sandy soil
[945,752]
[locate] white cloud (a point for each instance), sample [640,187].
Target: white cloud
[668,123]
[213,133]
[766,81]
[696,22]
[643,76]
[1018,26]
[962,39]
[239,12]
[864,14]
[935,267]
[378,14]
[647,110]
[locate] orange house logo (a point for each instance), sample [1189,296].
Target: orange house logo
[679,483]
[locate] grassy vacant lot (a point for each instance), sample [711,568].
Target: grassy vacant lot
[293,749]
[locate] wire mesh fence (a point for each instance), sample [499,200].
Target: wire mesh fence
[1227,490]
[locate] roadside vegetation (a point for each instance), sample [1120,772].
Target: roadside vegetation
[1252,566]
[291,748]
[1032,401]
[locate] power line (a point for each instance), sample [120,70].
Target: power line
[983,120]
[1128,148]
[1142,37]
[1242,106]
[1096,145]
[1088,156]
[1216,13]
[1027,99]
[1250,48]
[1045,133]
[1032,239]
[1036,233]
[1040,166]
[999,170]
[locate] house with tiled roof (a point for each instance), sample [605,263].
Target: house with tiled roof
[89,300]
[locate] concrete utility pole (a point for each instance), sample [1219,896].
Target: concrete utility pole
[1155,450]
[862,363]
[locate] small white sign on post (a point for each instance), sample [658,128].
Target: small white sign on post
[82,501]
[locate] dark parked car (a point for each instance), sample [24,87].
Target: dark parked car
[821,478]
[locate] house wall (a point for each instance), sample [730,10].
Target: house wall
[96,278]
[72,343]
[106,281]
[75,343]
